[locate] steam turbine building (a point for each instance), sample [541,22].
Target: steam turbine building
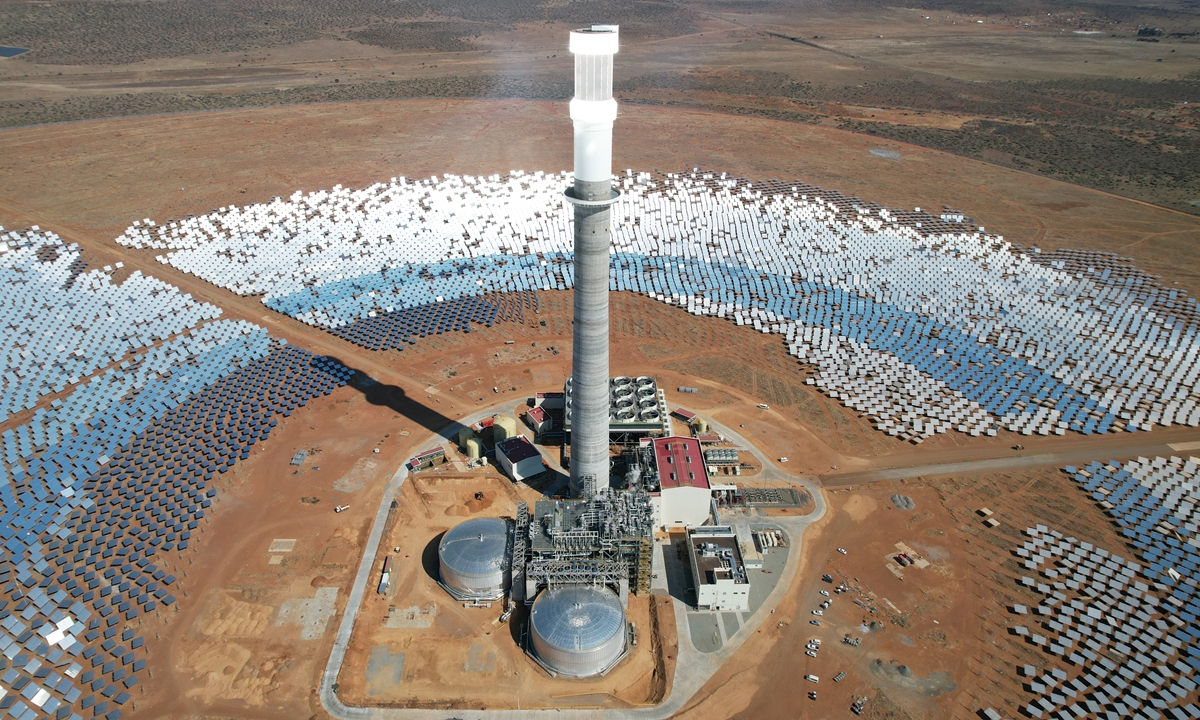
[593,111]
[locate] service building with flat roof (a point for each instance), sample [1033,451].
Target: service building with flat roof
[519,459]
[549,400]
[718,571]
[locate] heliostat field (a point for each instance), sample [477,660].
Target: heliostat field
[924,323]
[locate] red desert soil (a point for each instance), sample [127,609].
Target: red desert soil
[946,623]
[223,652]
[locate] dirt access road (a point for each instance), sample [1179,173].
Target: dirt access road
[1059,454]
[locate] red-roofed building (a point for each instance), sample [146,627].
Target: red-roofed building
[685,415]
[538,420]
[680,462]
[428,459]
[684,498]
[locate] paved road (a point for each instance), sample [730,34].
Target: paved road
[692,668]
[329,698]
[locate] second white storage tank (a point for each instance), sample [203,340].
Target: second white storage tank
[578,630]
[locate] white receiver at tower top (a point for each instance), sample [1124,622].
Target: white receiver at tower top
[593,109]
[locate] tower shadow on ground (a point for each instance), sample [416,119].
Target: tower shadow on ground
[394,398]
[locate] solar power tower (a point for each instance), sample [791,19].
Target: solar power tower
[593,111]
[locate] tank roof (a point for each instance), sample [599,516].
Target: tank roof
[577,617]
[476,547]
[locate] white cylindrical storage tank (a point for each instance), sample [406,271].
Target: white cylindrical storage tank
[475,559]
[578,630]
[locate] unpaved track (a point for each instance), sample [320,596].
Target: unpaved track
[1105,447]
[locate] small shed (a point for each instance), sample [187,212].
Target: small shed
[428,458]
[538,420]
[685,415]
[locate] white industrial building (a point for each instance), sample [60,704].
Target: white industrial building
[519,459]
[718,571]
[538,420]
[684,498]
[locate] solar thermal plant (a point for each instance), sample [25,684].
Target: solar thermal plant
[922,323]
[100,490]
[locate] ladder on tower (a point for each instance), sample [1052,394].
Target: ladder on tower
[520,536]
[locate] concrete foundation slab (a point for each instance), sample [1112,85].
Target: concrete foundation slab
[311,614]
[385,670]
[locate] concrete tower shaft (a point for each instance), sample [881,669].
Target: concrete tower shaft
[593,111]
